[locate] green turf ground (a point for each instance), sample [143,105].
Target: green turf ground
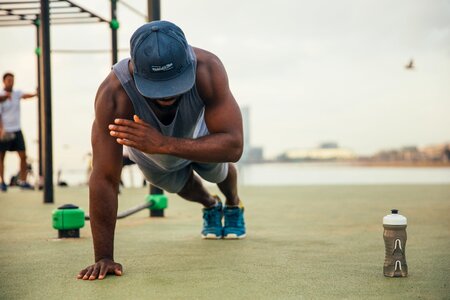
[321,242]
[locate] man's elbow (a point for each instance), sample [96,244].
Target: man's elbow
[104,182]
[235,152]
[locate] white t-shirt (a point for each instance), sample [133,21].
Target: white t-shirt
[10,111]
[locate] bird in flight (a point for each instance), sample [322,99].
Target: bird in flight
[410,65]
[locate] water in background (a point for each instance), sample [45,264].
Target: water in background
[305,174]
[335,173]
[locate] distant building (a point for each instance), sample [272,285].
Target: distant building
[326,151]
[414,154]
[255,154]
[439,152]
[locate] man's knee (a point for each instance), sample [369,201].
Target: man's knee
[190,184]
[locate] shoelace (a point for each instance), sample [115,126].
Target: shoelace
[232,219]
[210,217]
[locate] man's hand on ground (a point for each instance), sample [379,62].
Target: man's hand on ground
[100,269]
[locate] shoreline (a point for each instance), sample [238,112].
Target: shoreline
[403,164]
[374,164]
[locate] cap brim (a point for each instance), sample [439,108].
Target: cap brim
[158,89]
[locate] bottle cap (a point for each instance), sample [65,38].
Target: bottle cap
[394,218]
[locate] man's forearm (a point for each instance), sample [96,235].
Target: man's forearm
[103,213]
[27,96]
[218,147]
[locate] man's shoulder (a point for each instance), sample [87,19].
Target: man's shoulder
[206,60]
[211,75]
[110,84]
[111,97]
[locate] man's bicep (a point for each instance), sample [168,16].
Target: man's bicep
[107,153]
[222,113]
[224,116]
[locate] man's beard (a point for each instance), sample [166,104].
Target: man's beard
[166,108]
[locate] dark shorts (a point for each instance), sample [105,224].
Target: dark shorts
[16,143]
[126,161]
[173,182]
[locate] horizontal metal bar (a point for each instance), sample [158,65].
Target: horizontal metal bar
[39,9]
[80,22]
[27,22]
[11,17]
[85,51]
[80,15]
[15,24]
[19,2]
[28,2]
[18,8]
[72,18]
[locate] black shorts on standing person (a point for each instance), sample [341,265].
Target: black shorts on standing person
[13,141]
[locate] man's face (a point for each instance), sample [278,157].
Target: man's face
[166,104]
[163,104]
[8,82]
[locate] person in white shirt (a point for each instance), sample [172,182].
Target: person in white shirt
[11,137]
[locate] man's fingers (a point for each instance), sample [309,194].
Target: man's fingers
[100,269]
[94,273]
[88,273]
[127,143]
[127,129]
[81,274]
[118,270]
[103,271]
[122,135]
[139,120]
[126,122]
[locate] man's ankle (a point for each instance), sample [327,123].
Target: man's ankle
[232,202]
[213,201]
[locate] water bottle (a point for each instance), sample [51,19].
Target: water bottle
[395,245]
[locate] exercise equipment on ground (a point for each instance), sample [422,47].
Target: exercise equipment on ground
[155,202]
[69,218]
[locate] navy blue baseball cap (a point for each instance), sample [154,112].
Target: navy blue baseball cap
[162,60]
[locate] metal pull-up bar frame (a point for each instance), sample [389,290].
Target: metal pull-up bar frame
[42,13]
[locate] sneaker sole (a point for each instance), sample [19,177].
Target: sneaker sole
[233,236]
[211,236]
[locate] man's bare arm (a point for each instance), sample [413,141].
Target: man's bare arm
[29,95]
[104,183]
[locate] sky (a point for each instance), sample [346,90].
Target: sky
[310,71]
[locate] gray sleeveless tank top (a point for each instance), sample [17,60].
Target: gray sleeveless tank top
[188,122]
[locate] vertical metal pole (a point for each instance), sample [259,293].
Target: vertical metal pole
[156,212]
[154,14]
[47,101]
[37,23]
[114,25]
[153,10]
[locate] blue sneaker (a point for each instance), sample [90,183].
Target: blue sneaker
[3,187]
[212,221]
[25,185]
[234,228]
